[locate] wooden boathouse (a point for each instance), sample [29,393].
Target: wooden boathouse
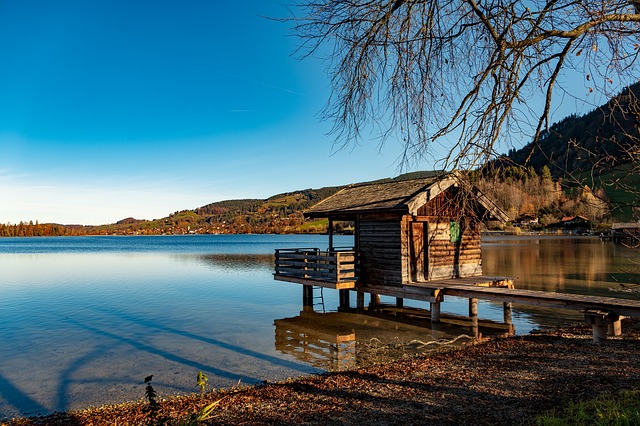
[420,239]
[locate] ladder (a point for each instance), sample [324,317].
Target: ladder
[318,300]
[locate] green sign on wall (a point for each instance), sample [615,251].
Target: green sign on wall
[455,232]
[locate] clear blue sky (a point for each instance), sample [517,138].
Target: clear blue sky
[118,108]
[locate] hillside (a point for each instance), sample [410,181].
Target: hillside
[281,213]
[597,141]
[598,151]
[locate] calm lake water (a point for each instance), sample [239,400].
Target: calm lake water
[83,320]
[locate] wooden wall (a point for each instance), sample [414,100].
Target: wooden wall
[394,249]
[444,258]
[451,260]
[380,250]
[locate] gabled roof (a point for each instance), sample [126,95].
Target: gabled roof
[403,197]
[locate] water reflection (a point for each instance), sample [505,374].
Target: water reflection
[238,262]
[335,341]
[582,265]
[570,265]
[317,339]
[82,329]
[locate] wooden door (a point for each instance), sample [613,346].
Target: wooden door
[418,250]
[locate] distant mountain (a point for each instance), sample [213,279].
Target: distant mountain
[281,213]
[130,221]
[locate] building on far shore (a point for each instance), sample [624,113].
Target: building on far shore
[626,233]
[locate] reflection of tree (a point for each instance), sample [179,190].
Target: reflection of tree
[550,264]
[237,262]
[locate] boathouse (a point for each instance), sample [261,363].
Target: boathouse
[406,232]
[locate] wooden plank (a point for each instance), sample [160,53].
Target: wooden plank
[304,256]
[452,248]
[298,264]
[450,260]
[347,285]
[382,251]
[623,307]
[404,292]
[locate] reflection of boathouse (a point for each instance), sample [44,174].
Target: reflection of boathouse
[410,237]
[335,341]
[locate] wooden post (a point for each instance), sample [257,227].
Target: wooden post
[345,299]
[375,299]
[473,307]
[614,325]
[598,321]
[473,314]
[360,301]
[399,302]
[307,295]
[508,317]
[330,234]
[435,311]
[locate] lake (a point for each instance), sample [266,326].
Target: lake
[83,320]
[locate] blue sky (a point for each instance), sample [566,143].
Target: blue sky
[114,108]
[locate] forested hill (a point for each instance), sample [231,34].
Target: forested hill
[600,139]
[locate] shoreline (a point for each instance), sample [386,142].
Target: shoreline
[500,381]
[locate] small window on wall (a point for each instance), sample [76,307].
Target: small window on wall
[455,232]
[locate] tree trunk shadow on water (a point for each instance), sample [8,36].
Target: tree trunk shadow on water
[17,399]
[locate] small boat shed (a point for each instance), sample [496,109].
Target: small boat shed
[407,234]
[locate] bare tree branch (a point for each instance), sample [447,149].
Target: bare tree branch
[462,74]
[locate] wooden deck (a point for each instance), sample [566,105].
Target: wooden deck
[623,307]
[433,291]
[334,269]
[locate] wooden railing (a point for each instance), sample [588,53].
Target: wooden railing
[335,266]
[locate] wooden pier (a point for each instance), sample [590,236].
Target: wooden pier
[420,239]
[603,313]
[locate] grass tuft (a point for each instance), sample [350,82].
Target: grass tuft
[621,409]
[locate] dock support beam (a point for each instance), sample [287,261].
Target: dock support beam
[508,318]
[473,314]
[603,323]
[473,307]
[375,300]
[399,302]
[307,295]
[345,299]
[614,326]
[435,311]
[360,301]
